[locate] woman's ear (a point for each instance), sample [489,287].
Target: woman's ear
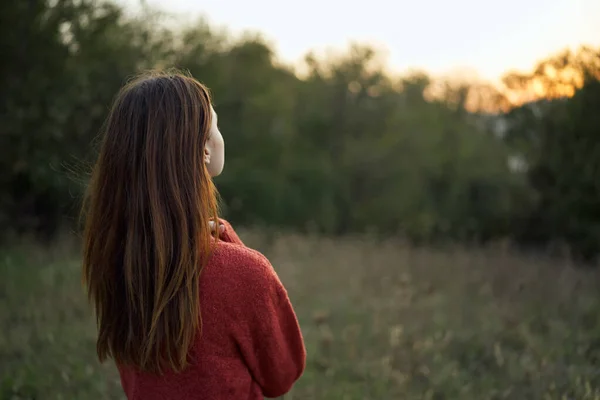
[206,156]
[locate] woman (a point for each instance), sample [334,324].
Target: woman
[185,311]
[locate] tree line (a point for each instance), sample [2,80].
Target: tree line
[345,147]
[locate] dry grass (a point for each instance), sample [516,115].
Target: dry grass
[380,320]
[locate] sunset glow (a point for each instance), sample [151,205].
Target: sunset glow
[478,41]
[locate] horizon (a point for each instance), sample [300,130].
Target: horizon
[501,44]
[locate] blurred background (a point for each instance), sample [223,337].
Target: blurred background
[424,176]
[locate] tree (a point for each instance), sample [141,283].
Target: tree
[560,139]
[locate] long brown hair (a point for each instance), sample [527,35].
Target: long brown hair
[147,213]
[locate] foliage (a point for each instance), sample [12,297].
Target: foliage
[560,139]
[346,147]
[61,66]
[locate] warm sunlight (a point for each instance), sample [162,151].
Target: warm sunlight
[463,41]
[316,199]
[434,35]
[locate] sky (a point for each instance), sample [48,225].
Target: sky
[482,38]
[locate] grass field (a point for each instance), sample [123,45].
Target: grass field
[380,320]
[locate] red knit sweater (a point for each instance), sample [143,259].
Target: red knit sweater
[251,346]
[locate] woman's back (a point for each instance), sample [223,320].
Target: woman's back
[250,345]
[184,313]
